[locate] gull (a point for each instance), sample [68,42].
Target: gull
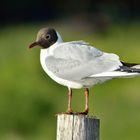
[77,64]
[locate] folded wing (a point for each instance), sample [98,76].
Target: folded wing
[77,60]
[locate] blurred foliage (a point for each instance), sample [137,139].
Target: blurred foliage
[34,10]
[29,99]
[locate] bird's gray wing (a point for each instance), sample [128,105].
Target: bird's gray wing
[78,50]
[76,60]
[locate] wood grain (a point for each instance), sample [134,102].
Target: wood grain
[77,127]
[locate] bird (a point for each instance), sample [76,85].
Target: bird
[77,64]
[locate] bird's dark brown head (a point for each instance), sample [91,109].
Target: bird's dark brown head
[45,38]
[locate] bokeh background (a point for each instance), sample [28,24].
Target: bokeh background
[29,99]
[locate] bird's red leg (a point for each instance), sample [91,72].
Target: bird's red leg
[69,101]
[86,103]
[86,100]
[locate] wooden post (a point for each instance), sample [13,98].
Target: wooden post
[77,127]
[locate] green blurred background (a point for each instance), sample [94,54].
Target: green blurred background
[29,99]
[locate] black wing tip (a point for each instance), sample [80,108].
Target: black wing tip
[128,67]
[129,64]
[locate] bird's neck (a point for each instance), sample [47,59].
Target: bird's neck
[59,40]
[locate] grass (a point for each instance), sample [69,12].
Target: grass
[29,99]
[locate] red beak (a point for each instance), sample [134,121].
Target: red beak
[33,45]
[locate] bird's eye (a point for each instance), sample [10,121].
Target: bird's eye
[47,36]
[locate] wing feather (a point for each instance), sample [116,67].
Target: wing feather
[77,60]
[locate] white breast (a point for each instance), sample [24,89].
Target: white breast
[43,57]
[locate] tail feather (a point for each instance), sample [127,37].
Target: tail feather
[126,70]
[129,67]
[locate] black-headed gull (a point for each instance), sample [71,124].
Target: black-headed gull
[77,65]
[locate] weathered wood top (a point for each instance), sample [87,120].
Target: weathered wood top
[77,127]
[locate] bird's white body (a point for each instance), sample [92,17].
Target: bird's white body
[43,55]
[76,64]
